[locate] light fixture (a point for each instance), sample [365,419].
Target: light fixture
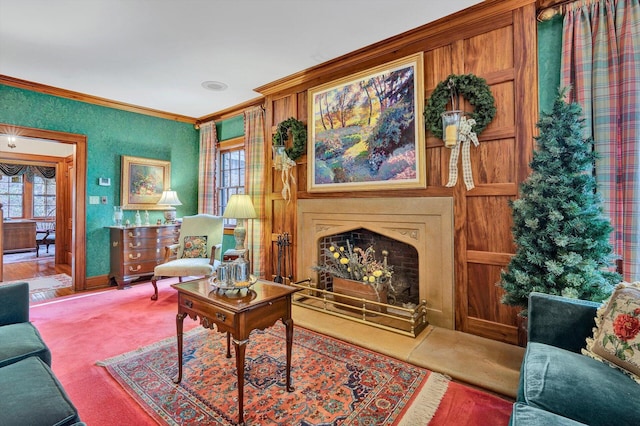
[239,207]
[279,155]
[450,126]
[216,86]
[451,119]
[169,198]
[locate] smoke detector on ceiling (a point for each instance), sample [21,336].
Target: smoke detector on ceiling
[216,86]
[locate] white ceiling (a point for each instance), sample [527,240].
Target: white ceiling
[22,145]
[156,53]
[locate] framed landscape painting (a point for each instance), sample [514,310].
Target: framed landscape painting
[143,180]
[366,131]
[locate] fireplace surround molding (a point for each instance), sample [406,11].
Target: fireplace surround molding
[426,223]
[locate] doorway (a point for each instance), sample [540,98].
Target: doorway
[73,219]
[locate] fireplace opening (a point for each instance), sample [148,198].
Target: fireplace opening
[404,285]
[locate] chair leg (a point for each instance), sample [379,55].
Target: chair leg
[155,288]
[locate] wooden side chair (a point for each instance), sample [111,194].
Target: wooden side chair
[45,235]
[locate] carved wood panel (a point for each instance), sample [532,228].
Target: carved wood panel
[494,40]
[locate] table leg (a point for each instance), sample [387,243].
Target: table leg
[240,347]
[228,345]
[289,325]
[179,324]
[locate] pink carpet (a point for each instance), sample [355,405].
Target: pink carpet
[84,329]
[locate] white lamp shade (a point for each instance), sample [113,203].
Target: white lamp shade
[239,207]
[169,198]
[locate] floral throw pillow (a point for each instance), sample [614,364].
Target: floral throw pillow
[195,247]
[616,337]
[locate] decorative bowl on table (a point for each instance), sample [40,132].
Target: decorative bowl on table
[234,286]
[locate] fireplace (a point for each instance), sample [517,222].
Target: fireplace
[423,224]
[404,289]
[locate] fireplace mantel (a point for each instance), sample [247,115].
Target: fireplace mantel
[426,223]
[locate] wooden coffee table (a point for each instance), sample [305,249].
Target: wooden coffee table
[236,314]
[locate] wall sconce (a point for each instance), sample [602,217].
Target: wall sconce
[450,126]
[279,156]
[451,119]
[240,207]
[169,198]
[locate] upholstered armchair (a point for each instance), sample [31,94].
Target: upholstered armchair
[197,253]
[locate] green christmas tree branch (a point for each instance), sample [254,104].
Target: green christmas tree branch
[560,231]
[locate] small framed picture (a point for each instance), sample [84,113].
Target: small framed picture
[143,180]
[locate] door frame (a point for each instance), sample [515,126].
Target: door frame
[78,194]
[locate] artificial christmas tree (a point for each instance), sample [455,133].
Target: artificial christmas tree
[561,234]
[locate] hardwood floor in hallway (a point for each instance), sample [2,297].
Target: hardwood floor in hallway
[38,268]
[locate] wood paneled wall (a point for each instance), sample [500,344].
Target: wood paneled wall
[495,40]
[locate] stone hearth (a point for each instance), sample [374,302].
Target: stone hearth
[425,223]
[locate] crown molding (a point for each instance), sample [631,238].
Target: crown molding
[76,96]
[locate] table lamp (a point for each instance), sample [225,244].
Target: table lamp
[239,207]
[169,198]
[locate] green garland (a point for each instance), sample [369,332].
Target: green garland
[299,134]
[474,89]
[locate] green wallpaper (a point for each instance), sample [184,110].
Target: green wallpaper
[549,57]
[230,128]
[110,134]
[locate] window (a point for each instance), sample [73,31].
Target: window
[230,177]
[44,197]
[11,196]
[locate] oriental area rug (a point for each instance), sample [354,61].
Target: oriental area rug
[336,383]
[50,282]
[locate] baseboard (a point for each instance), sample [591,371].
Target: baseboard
[99,281]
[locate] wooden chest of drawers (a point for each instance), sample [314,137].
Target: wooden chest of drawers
[136,250]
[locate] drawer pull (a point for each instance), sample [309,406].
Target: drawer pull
[137,256]
[136,269]
[157,231]
[188,303]
[221,316]
[136,245]
[134,234]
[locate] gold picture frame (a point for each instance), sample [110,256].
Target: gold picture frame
[366,131]
[143,180]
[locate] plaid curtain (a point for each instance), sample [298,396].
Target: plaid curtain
[254,184]
[207,192]
[601,63]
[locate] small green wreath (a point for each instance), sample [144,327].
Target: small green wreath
[299,134]
[474,89]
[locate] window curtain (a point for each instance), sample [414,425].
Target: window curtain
[207,193]
[601,64]
[254,183]
[29,171]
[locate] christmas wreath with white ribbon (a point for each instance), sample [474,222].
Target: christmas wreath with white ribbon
[289,156]
[476,91]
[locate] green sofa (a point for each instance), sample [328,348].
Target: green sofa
[31,393]
[559,385]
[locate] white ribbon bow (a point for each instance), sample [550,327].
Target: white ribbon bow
[285,164]
[465,137]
